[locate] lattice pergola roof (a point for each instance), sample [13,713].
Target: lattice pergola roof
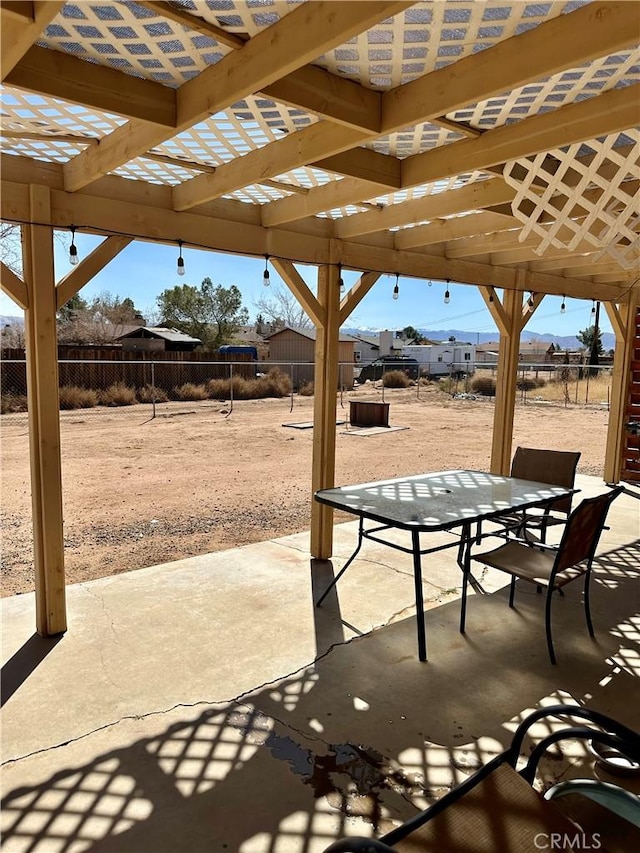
[385,136]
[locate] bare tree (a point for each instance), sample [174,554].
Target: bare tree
[10,248]
[281,308]
[97,322]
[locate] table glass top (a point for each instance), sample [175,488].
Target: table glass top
[439,500]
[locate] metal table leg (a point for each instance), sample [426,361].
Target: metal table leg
[417,575]
[345,567]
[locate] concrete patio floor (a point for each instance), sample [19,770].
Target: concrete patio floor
[206,705]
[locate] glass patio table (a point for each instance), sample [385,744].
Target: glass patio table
[429,503]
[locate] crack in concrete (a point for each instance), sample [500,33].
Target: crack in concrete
[200,702]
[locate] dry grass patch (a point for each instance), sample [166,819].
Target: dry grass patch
[274,384]
[75,397]
[152,394]
[118,395]
[190,391]
[10,403]
[396,379]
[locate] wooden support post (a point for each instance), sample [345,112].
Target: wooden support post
[506,383]
[623,322]
[44,417]
[324,410]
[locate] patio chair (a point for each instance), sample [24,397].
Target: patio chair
[556,467]
[497,809]
[552,567]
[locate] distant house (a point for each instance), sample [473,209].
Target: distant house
[531,352]
[157,339]
[365,348]
[293,350]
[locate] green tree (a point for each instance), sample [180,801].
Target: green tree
[212,313]
[587,337]
[72,309]
[409,333]
[99,321]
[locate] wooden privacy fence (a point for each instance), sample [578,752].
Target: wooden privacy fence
[98,369]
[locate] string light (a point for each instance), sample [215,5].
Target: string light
[447,295]
[73,249]
[340,279]
[563,307]
[530,302]
[180,265]
[593,307]
[491,295]
[396,289]
[429,283]
[265,275]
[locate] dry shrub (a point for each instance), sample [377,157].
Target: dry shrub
[118,395]
[13,403]
[152,394]
[526,383]
[395,379]
[306,389]
[485,385]
[448,384]
[190,391]
[218,389]
[74,397]
[274,384]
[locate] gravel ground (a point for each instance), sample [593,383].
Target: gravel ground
[199,478]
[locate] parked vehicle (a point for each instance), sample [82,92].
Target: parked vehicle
[443,359]
[387,363]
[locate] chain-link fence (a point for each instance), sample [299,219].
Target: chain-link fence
[94,385]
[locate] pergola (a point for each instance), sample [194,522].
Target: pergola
[492,144]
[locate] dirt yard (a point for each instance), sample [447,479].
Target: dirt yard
[141,491]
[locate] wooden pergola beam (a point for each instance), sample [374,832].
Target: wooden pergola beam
[89,267]
[13,286]
[300,290]
[44,418]
[357,293]
[296,39]
[508,355]
[324,410]
[623,321]
[18,32]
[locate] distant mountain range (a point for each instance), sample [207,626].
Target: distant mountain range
[563,341]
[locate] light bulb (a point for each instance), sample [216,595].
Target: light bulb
[396,288]
[73,249]
[429,283]
[563,307]
[593,308]
[180,264]
[491,296]
[447,296]
[530,303]
[265,275]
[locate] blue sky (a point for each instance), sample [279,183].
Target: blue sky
[143,270]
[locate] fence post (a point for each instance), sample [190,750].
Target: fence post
[231,386]
[153,389]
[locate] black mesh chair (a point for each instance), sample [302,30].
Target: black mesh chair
[556,467]
[552,567]
[497,809]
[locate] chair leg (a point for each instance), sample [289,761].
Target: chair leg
[547,621]
[512,590]
[587,602]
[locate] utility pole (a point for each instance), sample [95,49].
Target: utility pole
[594,358]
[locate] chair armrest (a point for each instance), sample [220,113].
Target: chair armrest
[615,799]
[359,845]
